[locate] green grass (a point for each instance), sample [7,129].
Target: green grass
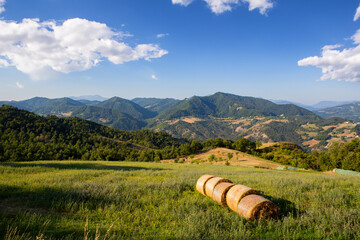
[158,201]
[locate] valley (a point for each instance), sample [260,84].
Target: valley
[219,115]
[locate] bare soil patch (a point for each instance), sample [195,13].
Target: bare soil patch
[311,143]
[238,159]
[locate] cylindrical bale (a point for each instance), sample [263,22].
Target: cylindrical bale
[200,185]
[236,193]
[219,193]
[254,207]
[211,184]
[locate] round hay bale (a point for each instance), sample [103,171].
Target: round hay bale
[236,193]
[219,193]
[211,184]
[200,184]
[254,207]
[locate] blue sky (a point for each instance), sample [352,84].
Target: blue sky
[298,50]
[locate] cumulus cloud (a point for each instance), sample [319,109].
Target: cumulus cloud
[19,85]
[37,48]
[262,5]
[357,14]
[338,63]
[182,2]
[2,3]
[161,35]
[220,6]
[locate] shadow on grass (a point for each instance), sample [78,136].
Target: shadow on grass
[79,166]
[286,207]
[19,205]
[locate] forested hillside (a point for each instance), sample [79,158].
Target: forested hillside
[348,111]
[223,105]
[219,115]
[24,136]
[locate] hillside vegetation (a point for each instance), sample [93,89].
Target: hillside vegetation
[347,111]
[219,115]
[25,136]
[129,200]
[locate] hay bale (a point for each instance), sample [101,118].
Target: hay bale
[254,207]
[219,193]
[211,184]
[236,193]
[200,184]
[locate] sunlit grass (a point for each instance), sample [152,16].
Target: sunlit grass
[158,201]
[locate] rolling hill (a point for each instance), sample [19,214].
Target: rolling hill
[219,115]
[25,136]
[348,111]
[223,105]
[156,104]
[115,112]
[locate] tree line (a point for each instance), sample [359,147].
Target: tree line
[25,136]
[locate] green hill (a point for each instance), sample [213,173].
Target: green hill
[218,115]
[156,104]
[116,112]
[25,136]
[45,106]
[348,111]
[128,107]
[223,105]
[109,117]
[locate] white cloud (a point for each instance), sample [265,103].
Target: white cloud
[19,85]
[262,5]
[154,77]
[357,14]
[182,2]
[338,63]
[39,48]
[2,3]
[220,6]
[161,35]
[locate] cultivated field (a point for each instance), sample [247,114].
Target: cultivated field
[132,200]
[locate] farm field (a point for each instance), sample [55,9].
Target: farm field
[136,200]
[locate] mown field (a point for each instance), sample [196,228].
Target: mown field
[132,200]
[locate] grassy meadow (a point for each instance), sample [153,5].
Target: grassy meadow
[133,200]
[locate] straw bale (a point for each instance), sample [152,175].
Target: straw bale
[200,185]
[236,193]
[254,207]
[219,194]
[211,184]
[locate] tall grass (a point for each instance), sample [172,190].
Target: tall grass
[130,200]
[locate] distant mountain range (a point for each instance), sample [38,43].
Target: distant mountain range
[90,98]
[317,106]
[218,115]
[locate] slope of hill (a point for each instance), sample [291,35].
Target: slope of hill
[219,115]
[109,117]
[128,107]
[348,111]
[223,105]
[45,106]
[25,136]
[116,112]
[156,104]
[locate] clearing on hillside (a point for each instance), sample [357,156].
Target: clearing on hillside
[220,156]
